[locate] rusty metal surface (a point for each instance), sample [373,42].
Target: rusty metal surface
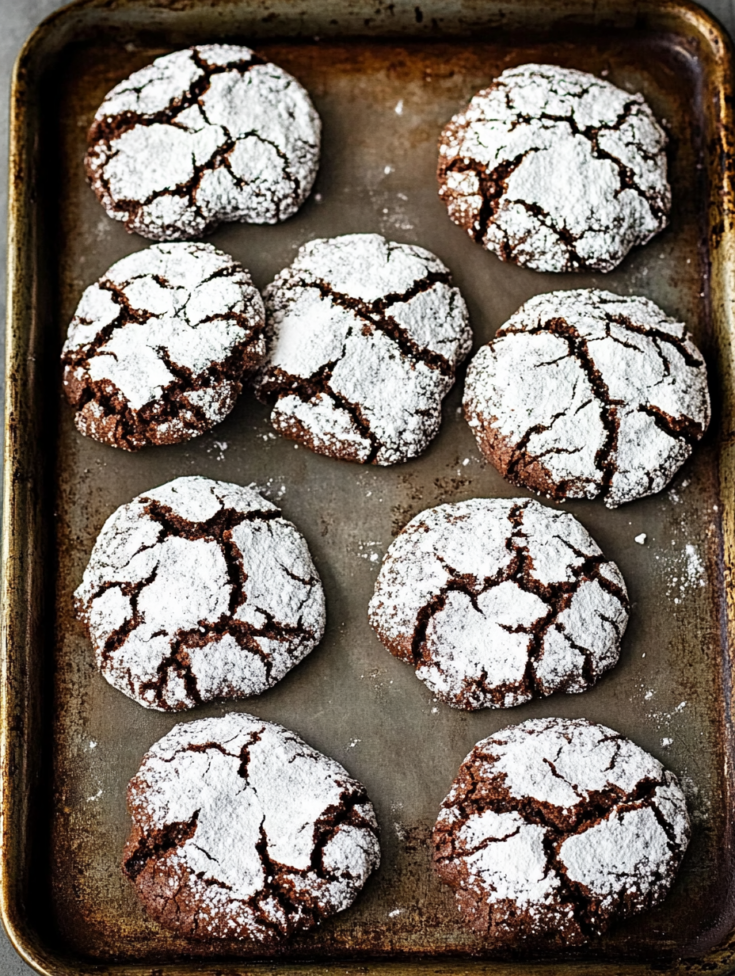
[71,742]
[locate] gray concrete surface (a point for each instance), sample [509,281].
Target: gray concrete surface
[17,20]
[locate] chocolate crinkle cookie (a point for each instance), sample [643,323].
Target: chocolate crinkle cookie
[585,393]
[213,133]
[555,170]
[364,337]
[554,828]
[199,590]
[158,348]
[243,831]
[495,601]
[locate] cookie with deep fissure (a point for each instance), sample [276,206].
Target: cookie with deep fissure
[209,134]
[199,590]
[243,831]
[364,337]
[585,394]
[555,169]
[556,827]
[159,347]
[496,601]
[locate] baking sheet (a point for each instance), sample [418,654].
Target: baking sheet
[383,101]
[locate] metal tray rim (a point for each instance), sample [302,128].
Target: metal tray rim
[22,526]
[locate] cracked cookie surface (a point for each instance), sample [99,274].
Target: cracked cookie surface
[555,169]
[158,348]
[496,601]
[555,827]
[243,831]
[364,337]
[199,590]
[208,134]
[585,393]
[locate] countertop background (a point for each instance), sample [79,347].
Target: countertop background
[18,19]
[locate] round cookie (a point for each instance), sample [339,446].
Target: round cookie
[212,133]
[199,590]
[555,170]
[555,827]
[585,393]
[243,831]
[364,337]
[496,601]
[158,348]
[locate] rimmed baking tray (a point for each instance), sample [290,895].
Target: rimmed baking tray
[385,78]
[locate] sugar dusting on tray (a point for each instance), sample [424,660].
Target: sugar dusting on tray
[685,572]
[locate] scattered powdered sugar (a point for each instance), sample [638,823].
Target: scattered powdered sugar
[220,447]
[555,813]
[699,804]
[497,601]
[694,571]
[663,719]
[685,572]
[585,393]
[271,835]
[273,488]
[199,590]
[674,493]
[158,347]
[555,169]
[208,134]
[364,338]
[371,555]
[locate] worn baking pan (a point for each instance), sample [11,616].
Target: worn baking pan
[385,78]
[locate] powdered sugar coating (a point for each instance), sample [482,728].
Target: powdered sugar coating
[585,393]
[364,338]
[555,169]
[208,134]
[158,347]
[241,830]
[496,601]
[199,590]
[555,826]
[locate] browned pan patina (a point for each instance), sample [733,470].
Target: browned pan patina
[385,78]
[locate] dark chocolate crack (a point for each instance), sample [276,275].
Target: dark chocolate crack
[493,185]
[493,182]
[108,129]
[375,314]
[605,457]
[478,789]
[557,597]
[188,189]
[249,637]
[685,349]
[299,894]
[156,844]
[277,383]
[518,464]
[173,415]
